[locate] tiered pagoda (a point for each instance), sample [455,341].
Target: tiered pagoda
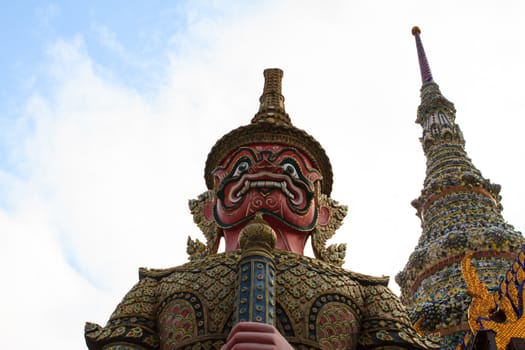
[460,213]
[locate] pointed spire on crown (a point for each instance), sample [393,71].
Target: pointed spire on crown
[426,74]
[271,109]
[431,97]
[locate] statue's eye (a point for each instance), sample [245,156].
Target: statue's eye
[241,168]
[290,170]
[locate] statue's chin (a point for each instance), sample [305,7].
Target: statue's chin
[288,238]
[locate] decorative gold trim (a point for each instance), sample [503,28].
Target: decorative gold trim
[335,253]
[211,231]
[500,311]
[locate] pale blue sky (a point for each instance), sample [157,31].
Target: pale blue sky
[129,41]
[108,110]
[127,37]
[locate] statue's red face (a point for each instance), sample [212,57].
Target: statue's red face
[276,180]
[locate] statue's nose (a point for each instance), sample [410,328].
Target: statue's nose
[266,166]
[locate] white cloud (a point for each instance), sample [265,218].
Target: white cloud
[46,14]
[109,39]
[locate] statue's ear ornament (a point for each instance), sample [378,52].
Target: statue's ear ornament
[202,211]
[331,218]
[195,249]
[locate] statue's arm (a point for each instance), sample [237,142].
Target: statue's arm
[386,324]
[132,326]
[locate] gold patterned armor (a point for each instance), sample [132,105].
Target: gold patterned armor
[319,306]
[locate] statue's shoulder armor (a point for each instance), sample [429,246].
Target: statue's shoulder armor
[286,259]
[229,259]
[283,258]
[367,280]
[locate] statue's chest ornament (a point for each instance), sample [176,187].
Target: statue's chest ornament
[331,322]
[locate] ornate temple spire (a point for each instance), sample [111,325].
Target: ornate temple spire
[271,109]
[448,164]
[433,101]
[460,211]
[426,74]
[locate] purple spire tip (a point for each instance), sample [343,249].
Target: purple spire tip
[426,74]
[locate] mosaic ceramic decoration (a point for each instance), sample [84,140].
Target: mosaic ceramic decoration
[496,318]
[460,213]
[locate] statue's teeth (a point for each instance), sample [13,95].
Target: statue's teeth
[265,183]
[286,191]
